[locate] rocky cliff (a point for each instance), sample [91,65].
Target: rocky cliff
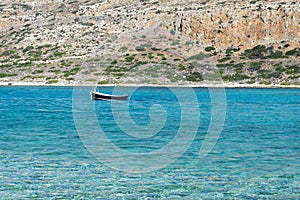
[46,40]
[243,24]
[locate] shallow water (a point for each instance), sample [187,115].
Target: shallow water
[43,152]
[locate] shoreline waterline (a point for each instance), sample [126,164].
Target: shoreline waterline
[204,85]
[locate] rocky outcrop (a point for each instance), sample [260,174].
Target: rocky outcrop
[51,33]
[211,23]
[268,24]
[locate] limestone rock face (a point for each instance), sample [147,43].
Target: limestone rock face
[221,24]
[240,25]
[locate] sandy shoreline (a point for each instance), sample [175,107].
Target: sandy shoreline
[204,85]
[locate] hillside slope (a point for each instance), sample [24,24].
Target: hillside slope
[146,41]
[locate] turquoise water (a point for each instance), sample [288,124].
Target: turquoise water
[43,156]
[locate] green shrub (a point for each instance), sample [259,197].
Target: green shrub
[58,54]
[254,66]
[239,70]
[293,69]
[263,73]
[224,59]
[150,56]
[250,82]
[181,67]
[267,74]
[8,53]
[254,1]
[261,52]
[25,64]
[265,83]
[118,74]
[114,62]
[293,52]
[75,70]
[56,71]
[87,24]
[5,61]
[195,77]
[129,59]
[155,49]
[28,48]
[44,46]
[52,81]
[114,69]
[103,82]
[139,63]
[209,48]
[255,52]
[72,72]
[275,55]
[238,65]
[3,75]
[275,75]
[285,83]
[67,73]
[225,65]
[37,72]
[280,69]
[36,55]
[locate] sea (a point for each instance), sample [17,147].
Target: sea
[161,143]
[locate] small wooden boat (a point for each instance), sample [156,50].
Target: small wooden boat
[101,96]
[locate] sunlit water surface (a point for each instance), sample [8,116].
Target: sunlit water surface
[257,155]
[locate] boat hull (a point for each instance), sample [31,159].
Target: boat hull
[107,97]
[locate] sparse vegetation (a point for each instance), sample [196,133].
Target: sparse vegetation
[129,58]
[52,81]
[52,52]
[195,77]
[256,52]
[225,59]
[235,77]
[210,48]
[3,75]
[293,52]
[199,56]
[255,66]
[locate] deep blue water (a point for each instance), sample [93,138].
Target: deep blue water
[49,147]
